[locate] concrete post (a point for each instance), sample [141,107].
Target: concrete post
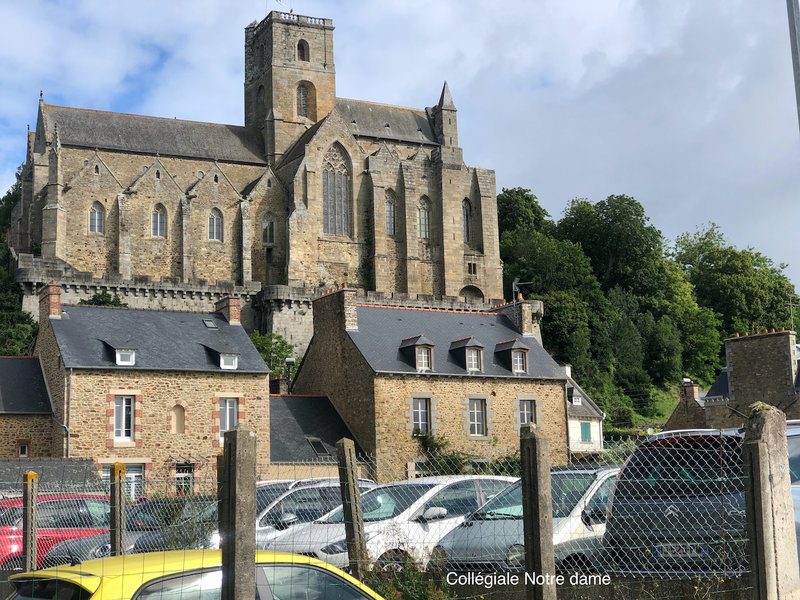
[537,513]
[351,503]
[117,525]
[237,514]
[770,514]
[30,491]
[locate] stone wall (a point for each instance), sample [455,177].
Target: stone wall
[36,431]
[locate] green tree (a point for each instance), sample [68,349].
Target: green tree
[9,201]
[519,208]
[274,349]
[104,299]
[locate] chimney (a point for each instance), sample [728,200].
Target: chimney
[50,301]
[567,369]
[230,307]
[337,308]
[526,315]
[689,390]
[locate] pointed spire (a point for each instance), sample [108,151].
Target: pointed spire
[446,100]
[41,96]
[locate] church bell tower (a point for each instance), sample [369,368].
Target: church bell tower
[290,79]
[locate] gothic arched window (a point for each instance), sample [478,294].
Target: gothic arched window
[268,230]
[215,225]
[424,219]
[466,213]
[96,214]
[302,101]
[390,212]
[335,192]
[159,224]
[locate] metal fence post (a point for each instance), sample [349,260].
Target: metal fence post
[351,504]
[537,513]
[30,491]
[117,524]
[768,501]
[237,514]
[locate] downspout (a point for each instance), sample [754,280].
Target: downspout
[69,398]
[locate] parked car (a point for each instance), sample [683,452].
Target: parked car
[59,517]
[144,518]
[401,519]
[492,538]
[187,574]
[678,506]
[196,529]
[300,505]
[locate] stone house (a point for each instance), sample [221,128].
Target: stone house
[759,368]
[26,417]
[395,372]
[312,190]
[155,390]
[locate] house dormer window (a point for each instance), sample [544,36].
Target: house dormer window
[572,397]
[519,361]
[424,358]
[126,357]
[473,359]
[229,362]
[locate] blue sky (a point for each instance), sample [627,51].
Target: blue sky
[688,106]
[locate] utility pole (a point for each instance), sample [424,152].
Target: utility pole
[793,7]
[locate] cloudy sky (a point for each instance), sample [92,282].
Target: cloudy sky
[686,105]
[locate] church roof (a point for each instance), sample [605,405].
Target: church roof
[382,121]
[153,135]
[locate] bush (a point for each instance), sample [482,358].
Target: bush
[404,580]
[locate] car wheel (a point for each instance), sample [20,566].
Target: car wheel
[394,560]
[576,563]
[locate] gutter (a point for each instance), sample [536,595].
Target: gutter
[69,400]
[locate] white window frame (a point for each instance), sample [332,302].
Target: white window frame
[96,218]
[23,450]
[420,415]
[527,411]
[124,418]
[424,356]
[519,361]
[424,222]
[228,415]
[478,425]
[215,220]
[229,362]
[158,222]
[473,359]
[126,357]
[184,479]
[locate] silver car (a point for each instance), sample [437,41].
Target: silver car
[492,538]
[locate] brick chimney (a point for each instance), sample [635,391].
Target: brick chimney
[230,307]
[50,301]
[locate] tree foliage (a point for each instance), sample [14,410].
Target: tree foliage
[274,349]
[518,208]
[105,299]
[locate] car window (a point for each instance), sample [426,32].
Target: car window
[99,512]
[491,487]
[506,505]
[305,503]
[794,458]
[47,589]
[62,514]
[385,502]
[567,489]
[304,582]
[203,585]
[458,498]
[10,516]
[267,494]
[599,500]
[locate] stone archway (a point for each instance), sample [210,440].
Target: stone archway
[470,292]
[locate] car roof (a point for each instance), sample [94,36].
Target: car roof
[17,500]
[138,569]
[676,433]
[444,479]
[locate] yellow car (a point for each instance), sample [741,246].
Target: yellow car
[187,575]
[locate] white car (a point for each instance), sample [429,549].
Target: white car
[405,518]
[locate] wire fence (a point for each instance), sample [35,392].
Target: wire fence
[664,513]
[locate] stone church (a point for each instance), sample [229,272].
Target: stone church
[313,191]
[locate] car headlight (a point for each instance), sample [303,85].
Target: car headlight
[337,547]
[438,557]
[102,551]
[515,557]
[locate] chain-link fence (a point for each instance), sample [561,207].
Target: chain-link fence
[662,513]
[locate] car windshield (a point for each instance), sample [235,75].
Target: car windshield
[566,490]
[794,458]
[689,467]
[385,502]
[47,589]
[267,494]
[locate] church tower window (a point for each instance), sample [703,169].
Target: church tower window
[96,214]
[215,225]
[466,210]
[268,235]
[302,101]
[335,192]
[390,206]
[302,51]
[424,219]
[159,225]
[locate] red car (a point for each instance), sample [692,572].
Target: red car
[59,517]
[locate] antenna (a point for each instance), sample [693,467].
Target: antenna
[791,306]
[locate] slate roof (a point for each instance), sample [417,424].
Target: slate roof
[293,419]
[719,389]
[153,135]
[163,340]
[369,119]
[22,387]
[586,409]
[382,330]
[63,475]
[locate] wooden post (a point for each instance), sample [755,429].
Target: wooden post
[117,524]
[768,502]
[30,491]
[237,514]
[537,513]
[351,504]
